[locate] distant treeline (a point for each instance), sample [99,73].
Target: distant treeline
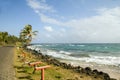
[6,38]
[25,37]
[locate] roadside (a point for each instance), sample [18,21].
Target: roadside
[12,67]
[24,72]
[6,63]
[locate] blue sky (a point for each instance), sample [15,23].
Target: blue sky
[63,21]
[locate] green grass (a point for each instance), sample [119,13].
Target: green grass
[53,73]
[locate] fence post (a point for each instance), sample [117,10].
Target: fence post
[42,70]
[42,74]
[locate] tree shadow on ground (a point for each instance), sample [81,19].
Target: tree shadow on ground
[22,71]
[18,67]
[25,77]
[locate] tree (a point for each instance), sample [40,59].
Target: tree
[26,35]
[12,39]
[4,36]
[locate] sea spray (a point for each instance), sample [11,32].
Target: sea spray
[108,54]
[88,71]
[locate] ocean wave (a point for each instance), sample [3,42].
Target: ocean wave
[80,45]
[31,47]
[80,55]
[64,52]
[71,45]
[106,60]
[54,54]
[94,57]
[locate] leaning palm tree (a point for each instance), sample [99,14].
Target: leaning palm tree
[26,35]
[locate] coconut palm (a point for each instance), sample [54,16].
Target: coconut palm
[26,35]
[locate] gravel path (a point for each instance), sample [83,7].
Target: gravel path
[6,63]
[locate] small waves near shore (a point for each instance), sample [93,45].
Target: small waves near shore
[105,57]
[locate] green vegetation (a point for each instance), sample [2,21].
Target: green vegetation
[6,38]
[26,35]
[25,72]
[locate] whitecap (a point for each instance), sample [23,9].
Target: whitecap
[106,60]
[64,52]
[81,45]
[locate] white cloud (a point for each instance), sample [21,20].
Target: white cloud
[40,5]
[47,19]
[106,11]
[103,27]
[33,4]
[48,28]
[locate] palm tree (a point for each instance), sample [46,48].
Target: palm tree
[26,35]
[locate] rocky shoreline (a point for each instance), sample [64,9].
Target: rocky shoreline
[87,71]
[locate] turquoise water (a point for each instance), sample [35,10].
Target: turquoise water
[108,54]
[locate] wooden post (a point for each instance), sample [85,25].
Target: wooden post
[42,74]
[42,70]
[34,64]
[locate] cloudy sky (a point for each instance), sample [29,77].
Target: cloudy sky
[63,21]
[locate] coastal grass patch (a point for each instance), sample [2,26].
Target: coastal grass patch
[25,72]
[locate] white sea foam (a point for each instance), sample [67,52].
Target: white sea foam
[54,54]
[71,45]
[110,60]
[106,60]
[37,49]
[31,47]
[81,45]
[64,52]
[39,45]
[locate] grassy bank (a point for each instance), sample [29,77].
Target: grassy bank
[24,72]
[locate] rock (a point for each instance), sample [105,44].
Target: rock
[113,79]
[95,72]
[50,60]
[88,70]
[106,76]
[100,73]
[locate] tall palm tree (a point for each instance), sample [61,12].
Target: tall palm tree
[27,34]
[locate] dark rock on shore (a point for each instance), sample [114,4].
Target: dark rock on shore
[88,71]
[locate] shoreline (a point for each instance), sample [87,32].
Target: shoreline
[87,70]
[53,73]
[113,71]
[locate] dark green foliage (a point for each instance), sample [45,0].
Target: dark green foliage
[6,38]
[26,34]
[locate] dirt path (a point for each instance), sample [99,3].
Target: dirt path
[6,63]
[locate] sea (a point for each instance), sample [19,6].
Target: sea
[101,56]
